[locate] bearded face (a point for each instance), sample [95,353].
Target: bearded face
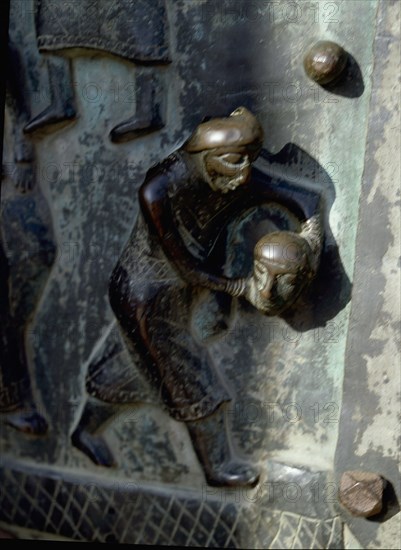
[227,171]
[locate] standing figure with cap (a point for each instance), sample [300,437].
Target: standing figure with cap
[176,250]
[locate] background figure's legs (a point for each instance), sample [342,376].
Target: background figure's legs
[17,100]
[15,388]
[150,106]
[62,104]
[87,435]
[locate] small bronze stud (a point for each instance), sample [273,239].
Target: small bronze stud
[325,61]
[361,493]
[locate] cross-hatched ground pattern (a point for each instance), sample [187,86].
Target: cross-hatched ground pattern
[89,511]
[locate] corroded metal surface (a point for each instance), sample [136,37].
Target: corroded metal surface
[369,425]
[314,389]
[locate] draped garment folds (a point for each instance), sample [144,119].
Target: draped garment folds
[159,308]
[135,30]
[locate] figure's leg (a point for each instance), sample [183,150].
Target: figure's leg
[87,435]
[62,103]
[211,442]
[17,402]
[19,108]
[15,389]
[193,393]
[111,380]
[189,385]
[150,106]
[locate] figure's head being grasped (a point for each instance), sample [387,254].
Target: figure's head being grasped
[225,149]
[281,270]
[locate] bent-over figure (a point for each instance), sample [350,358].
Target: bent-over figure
[177,249]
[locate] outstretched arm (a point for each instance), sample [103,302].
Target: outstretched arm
[156,208]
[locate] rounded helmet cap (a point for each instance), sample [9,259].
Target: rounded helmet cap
[238,132]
